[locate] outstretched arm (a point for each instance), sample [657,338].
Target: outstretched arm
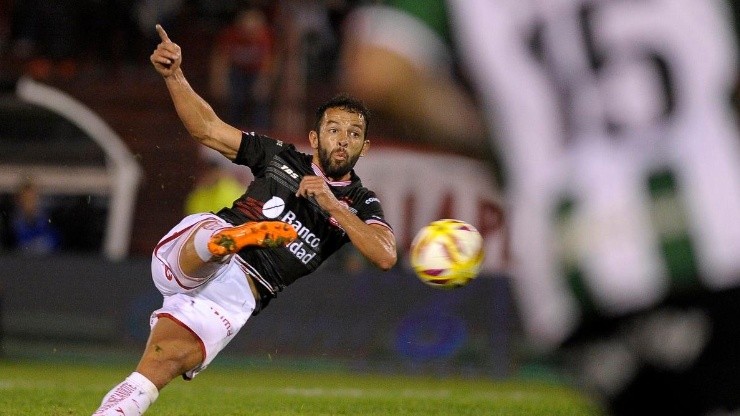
[196,114]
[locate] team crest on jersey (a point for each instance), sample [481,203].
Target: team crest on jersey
[344,202]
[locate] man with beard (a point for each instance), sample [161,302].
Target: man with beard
[216,270]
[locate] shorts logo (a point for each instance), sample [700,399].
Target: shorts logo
[224,321]
[168,273]
[273,208]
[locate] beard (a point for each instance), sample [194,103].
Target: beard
[336,169]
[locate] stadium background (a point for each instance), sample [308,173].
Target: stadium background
[346,312]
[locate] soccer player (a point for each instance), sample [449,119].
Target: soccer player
[614,126]
[216,270]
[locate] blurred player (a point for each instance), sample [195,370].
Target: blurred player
[614,125]
[317,204]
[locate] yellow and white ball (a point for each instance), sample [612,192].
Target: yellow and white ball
[447,253]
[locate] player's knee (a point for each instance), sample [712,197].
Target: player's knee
[170,359]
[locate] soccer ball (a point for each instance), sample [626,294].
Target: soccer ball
[447,253]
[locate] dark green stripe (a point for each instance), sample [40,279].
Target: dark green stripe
[670,221]
[564,212]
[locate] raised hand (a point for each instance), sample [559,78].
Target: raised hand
[167,57]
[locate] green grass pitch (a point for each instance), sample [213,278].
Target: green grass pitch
[48,388]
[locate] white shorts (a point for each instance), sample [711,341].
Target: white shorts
[214,310]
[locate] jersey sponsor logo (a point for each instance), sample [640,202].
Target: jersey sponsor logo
[303,248]
[273,207]
[303,232]
[301,251]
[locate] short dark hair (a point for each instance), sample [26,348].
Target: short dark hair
[346,103]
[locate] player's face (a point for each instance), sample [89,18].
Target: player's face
[340,142]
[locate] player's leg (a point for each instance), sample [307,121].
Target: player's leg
[171,351]
[266,234]
[186,333]
[212,241]
[195,249]
[131,397]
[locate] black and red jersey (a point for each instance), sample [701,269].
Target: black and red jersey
[278,169]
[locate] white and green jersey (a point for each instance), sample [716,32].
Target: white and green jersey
[619,140]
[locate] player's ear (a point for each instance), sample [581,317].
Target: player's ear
[365,147]
[313,139]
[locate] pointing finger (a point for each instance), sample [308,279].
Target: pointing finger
[162,33]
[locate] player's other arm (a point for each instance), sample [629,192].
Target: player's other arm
[196,114]
[374,241]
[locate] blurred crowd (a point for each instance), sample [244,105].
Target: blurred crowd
[35,222]
[253,45]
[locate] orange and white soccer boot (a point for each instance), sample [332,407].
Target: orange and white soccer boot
[265,234]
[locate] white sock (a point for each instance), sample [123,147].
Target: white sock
[200,241]
[129,398]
